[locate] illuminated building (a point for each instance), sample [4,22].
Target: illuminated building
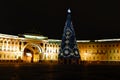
[36,48]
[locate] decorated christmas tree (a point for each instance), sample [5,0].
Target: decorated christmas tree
[68,48]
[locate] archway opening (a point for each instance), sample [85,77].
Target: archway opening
[28,55]
[32,53]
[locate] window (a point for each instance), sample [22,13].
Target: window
[116,45]
[7,56]
[113,51]
[90,58]
[12,42]
[106,51]
[16,43]
[0,48]
[59,45]
[105,45]
[101,57]
[97,46]
[97,57]
[118,57]
[101,51]
[114,57]
[5,41]
[117,51]
[94,57]
[110,51]
[109,45]
[113,45]
[97,51]
[56,50]
[41,44]
[0,55]
[20,43]
[4,55]
[15,56]
[1,41]
[9,42]
[110,57]
[56,57]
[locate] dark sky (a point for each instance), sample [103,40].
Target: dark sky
[92,19]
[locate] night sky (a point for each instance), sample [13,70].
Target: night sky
[92,19]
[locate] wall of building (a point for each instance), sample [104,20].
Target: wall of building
[100,51]
[13,49]
[92,51]
[9,49]
[51,51]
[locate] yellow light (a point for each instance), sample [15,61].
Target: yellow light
[86,55]
[8,36]
[83,40]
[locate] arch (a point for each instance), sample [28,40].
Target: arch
[36,45]
[31,52]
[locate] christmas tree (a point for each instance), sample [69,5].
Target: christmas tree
[68,48]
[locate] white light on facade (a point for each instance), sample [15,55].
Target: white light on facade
[29,54]
[35,37]
[103,40]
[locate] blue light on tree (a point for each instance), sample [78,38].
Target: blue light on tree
[68,47]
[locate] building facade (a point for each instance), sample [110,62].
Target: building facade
[35,48]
